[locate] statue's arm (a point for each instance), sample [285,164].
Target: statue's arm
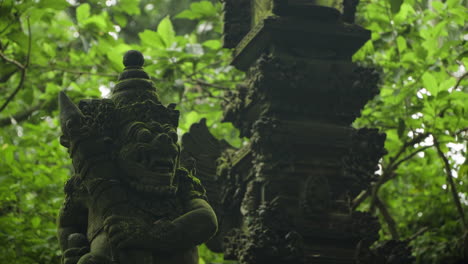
[72,219]
[188,230]
[196,226]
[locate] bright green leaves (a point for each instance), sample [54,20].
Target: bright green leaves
[203,10]
[115,55]
[99,22]
[430,83]
[83,13]
[151,39]
[405,12]
[35,222]
[129,7]
[438,6]
[166,31]
[53,4]
[7,153]
[162,39]
[420,50]
[401,42]
[213,44]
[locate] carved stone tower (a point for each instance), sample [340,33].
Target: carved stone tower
[304,163]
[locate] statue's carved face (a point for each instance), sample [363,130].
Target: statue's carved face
[149,154]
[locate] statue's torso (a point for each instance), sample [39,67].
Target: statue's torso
[144,206]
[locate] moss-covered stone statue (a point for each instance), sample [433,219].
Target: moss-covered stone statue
[129,201]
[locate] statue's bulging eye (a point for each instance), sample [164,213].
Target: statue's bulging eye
[144,135]
[155,126]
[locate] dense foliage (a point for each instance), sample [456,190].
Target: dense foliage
[52,45]
[421,192]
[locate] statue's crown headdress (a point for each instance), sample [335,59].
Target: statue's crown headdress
[133,99]
[136,97]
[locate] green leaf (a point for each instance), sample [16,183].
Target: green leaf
[83,13]
[463,171]
[447,84]
[129,7]
[7,151]
[430,83]
[438,6]
[28,95]
[212,44]
[205,8]
[151,39]
[199,10]
[401,43]
[395,5]
[188,14]
[442,94]
[166,31]
[54,4]
[440,29]
[99,21]
[121,20]
[35,221]
[409,57]
[453,3]
[406,10]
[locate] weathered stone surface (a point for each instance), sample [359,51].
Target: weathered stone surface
[287,194]
[129,200]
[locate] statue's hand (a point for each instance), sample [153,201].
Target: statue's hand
[72,255]
[166,234]
[77,247]
[126,232]
[131,232]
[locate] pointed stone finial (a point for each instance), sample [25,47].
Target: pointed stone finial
[133,81]
[133,59]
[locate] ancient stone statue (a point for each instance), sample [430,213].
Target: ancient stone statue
[129,201]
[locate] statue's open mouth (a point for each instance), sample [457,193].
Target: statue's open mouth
[156,164]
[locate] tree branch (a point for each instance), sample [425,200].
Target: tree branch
[19,117]
[397,164]
[7,75]
[453,188]
[460,79]
[203,68]
[465,129]
[84,73]
[388,218]
[7,26]
[359,199]
[22,68]
[389,172]
[415,140]
[420,232]
[203,83]
[12,95]
[12,61]
[386,176]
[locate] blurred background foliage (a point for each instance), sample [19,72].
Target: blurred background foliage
[420,46]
